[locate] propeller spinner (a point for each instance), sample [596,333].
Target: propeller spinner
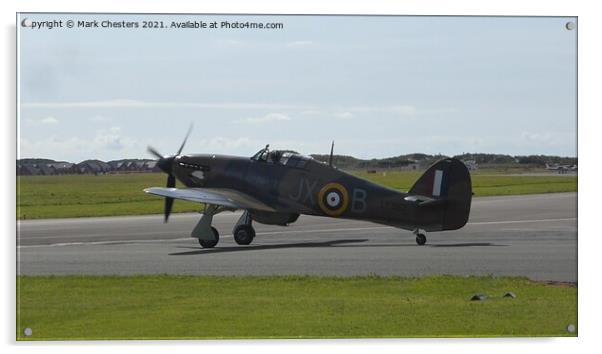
[165,163]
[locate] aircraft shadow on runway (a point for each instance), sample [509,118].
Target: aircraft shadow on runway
[469,244]
[333,243]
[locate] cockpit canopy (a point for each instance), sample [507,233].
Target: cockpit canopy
[281,157]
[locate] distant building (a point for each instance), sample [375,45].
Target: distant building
[93,167]
[86,168]
[62,168]
[126,166]
[104,167]
[35,167]
[151,166]
[139,165]
[471,165]
[46,170]
[27,170]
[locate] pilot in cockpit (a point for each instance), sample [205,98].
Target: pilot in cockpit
[275,156]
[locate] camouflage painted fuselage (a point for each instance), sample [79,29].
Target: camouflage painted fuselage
[313,188]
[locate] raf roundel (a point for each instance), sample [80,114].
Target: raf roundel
[333,199]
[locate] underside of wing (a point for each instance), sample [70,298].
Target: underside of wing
[217,196]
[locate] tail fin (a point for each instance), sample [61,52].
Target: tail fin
[448,191]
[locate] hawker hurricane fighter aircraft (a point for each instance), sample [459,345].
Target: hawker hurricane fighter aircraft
[275,187]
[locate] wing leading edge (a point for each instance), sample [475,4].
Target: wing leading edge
[216,196]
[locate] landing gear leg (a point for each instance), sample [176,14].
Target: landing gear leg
[207,234]
[420,237]
[243,232]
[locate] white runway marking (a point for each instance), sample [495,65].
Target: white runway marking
[518,221]
[62,244]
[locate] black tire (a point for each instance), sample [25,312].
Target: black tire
[420,239]
[210,243]
[244,234]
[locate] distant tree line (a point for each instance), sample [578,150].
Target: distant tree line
[45,167]
[541,160]
[410,161]
[420,161]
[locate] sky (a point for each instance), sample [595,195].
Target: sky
[378,86]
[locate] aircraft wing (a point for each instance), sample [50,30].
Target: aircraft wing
[228,198]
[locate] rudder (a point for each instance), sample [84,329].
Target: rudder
[446,183]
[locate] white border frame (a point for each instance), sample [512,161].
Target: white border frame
[588,128]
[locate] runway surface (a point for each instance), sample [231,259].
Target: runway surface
[533,236]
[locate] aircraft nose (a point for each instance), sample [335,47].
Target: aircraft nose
[165,164]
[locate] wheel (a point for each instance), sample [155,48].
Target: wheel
[210,243]
[244,234]
[420,239]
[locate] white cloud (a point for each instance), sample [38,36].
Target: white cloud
[98,118]
[341,112]
[536,137]
[127,103]
[105,144]
[49,120]
[109,139]
[225,144]
[538,140]
[311,112]
[348,112]
[344,115]
[404,110]
[245,146]
[268,118]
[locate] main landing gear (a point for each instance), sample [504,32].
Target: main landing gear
[208,236]
[420,237]
[243,232]
[210,243]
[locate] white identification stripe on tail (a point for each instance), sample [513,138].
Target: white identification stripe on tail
[437,183]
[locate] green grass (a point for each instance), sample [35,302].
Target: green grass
[485,183]
[41,197]
[161,307]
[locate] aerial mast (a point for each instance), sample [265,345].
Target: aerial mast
[331,150]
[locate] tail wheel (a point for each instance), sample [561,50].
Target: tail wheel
[244,234]
[420,239]
[210,243]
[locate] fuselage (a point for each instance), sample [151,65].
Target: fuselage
[302,185]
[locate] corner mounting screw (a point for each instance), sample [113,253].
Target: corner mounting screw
[570,328]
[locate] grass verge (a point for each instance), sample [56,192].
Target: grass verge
[41,197]
[178,307]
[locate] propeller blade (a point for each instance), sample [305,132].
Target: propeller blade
[165,163]
[171,181]
[168,206]
[154,152]
[186,138]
